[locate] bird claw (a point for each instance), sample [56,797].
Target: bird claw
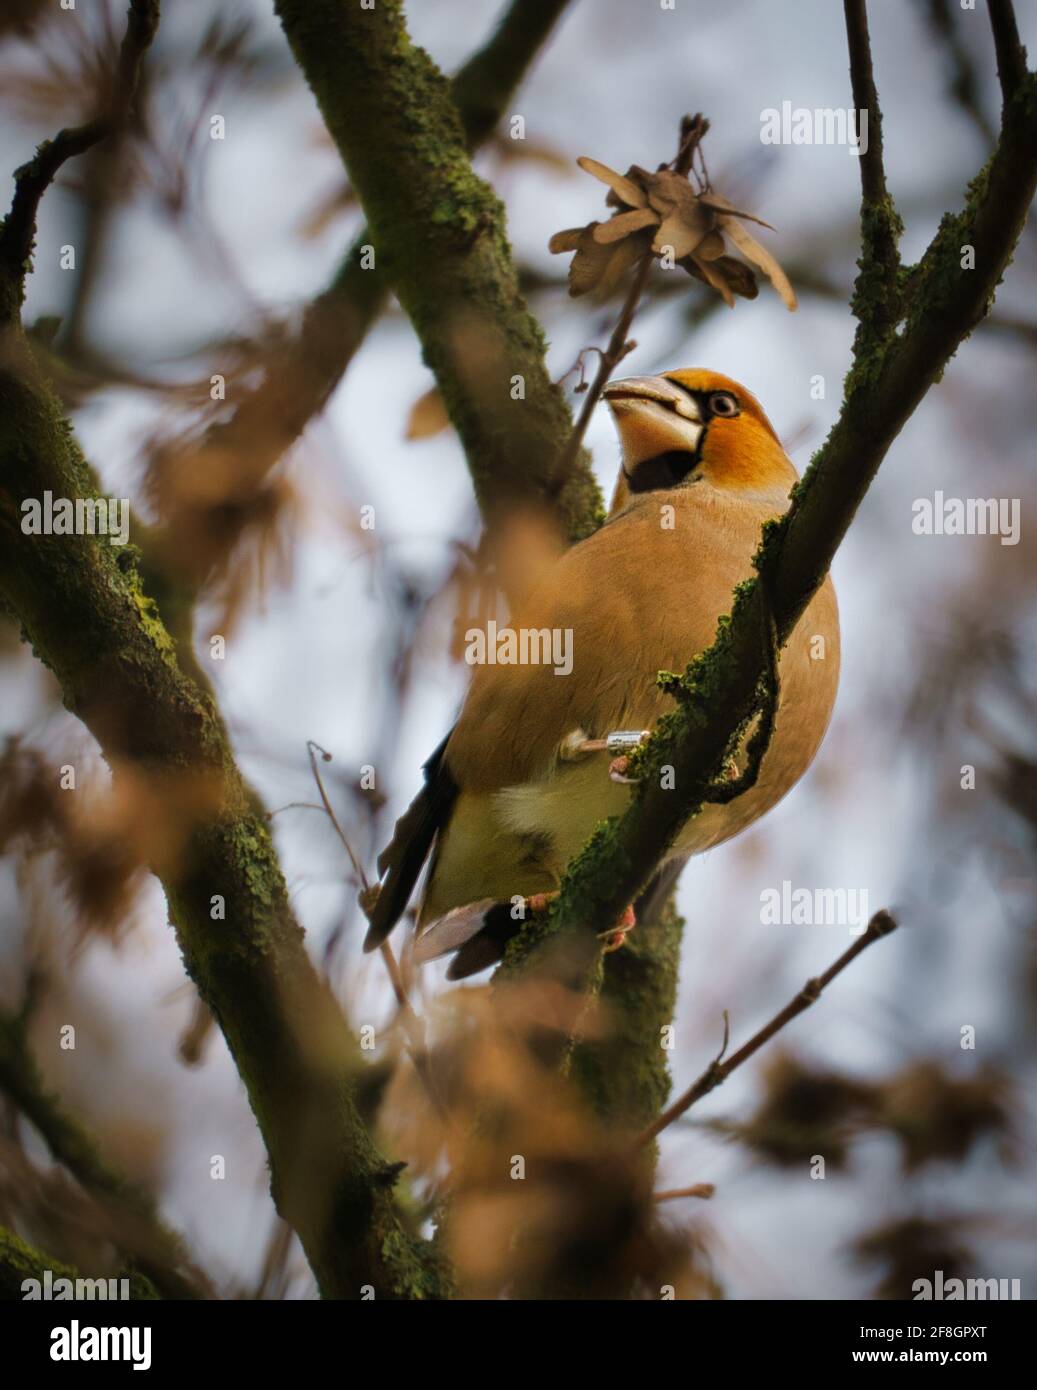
[617,771]
[615,937]
[622,742]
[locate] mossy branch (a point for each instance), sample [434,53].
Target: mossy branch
[20,1261]
[876,301]
[308,368]
[31,181]
[142,1235]
[440,236]
[80,604]
[889,376]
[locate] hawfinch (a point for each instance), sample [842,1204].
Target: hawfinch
[528,771]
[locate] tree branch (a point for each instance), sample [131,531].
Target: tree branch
[308,369]
[1011,55]
[440,234]
[20,1261]
[142,1235]
[82,607]
[876,293]
[718,1070]
[18,232]
[625,1074]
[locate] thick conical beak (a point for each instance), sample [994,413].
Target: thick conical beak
[653,416]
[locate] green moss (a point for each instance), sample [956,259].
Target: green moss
[626,1073]
[20,1261]
[151,620]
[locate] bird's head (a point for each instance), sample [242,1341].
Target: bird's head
[691,424]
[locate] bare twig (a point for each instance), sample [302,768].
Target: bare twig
[876,300]
[412,1024]
[33,179]
[618,348]
[718,1070]
[704,1190]
[137,1228]
[865,98]
[1011,56]
[313,749]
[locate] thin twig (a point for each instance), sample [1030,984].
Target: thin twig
[704,1190]
[1011,56]
[33,179]
[617,349]
[718,1071]
[295,806]
[876,298]
[693,129]
[313,749]
[395,976]
[865,98]
[412,1024]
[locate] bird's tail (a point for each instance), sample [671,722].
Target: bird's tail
[402,859]
[477,933]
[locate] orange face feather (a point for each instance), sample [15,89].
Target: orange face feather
[671,423]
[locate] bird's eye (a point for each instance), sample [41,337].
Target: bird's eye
[723,403]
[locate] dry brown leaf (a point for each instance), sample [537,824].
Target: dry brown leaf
[715,277]
[711,247]
[623,224]
[678,234]
[714,200]
[663,212]
[759,255]
[623,187]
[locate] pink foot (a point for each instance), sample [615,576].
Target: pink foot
[618,768]
[617,935]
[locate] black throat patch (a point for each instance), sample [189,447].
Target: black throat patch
[663,471]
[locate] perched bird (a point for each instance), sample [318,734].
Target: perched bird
[528,771]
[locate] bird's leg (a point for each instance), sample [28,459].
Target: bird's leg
[618,770]
[613,938]
[617,935]
[622,742]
